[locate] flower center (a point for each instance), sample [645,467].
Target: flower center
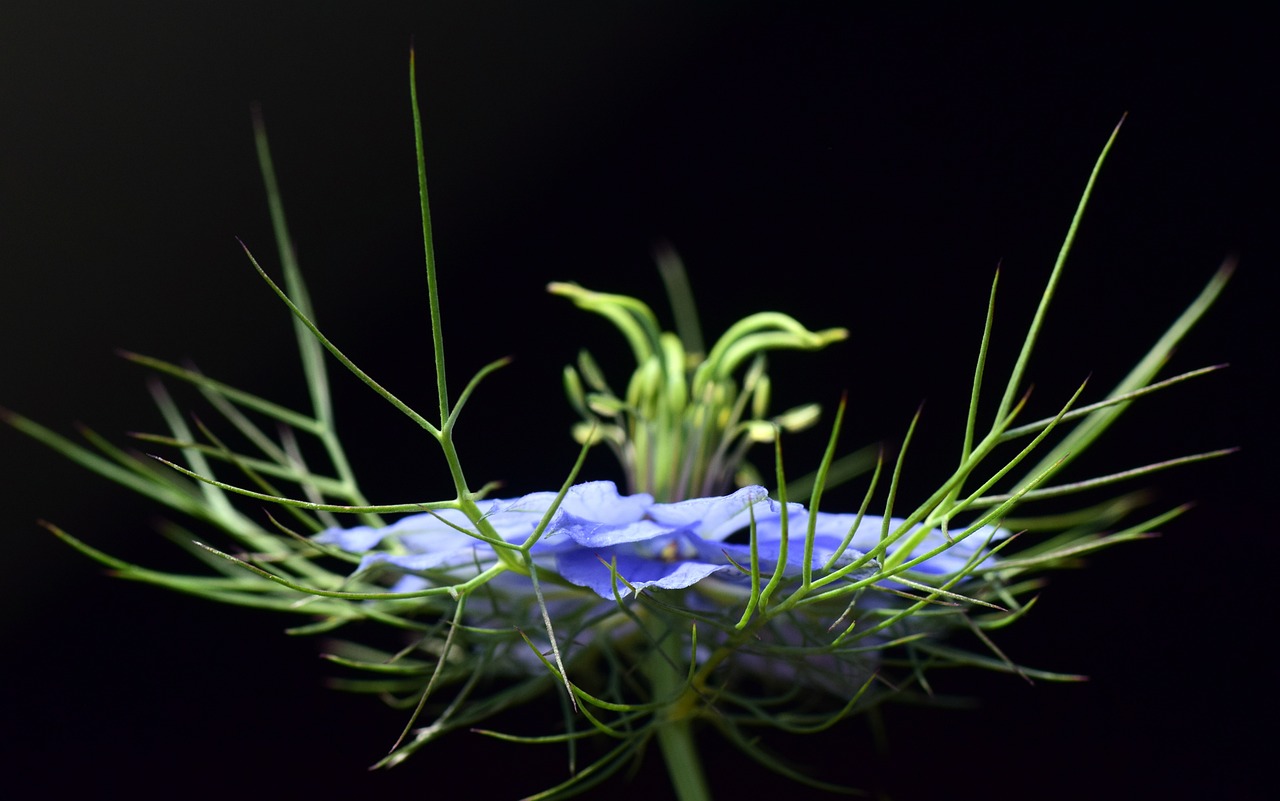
[667,549]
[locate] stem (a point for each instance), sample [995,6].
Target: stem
[675,729]
[675,738]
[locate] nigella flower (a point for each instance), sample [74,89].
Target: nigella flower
[653,616]
[598,533]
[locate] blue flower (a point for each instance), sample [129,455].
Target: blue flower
[596,532]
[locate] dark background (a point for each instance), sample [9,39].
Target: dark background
[850,167]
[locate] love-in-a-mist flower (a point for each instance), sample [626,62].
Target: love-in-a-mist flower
[604,546]
[613,544]
[685,600]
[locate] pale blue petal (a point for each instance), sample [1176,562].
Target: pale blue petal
[352,540]
[600,501]
[468,556]
[432,533]
[585,568]
[592,534]
[704,515]
[409,583]
[594,515]
[831,529]
[514,519]
[769,551]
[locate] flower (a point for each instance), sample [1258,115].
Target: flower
[597,532]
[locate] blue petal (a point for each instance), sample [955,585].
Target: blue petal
[715,518]
[409,583]
[592,534]
[769,552]
[352,540]
[594,515]
[514,519]
[585,568]
[432,533]
[600,501]
[831,529]
[469,555]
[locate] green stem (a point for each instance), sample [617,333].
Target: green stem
[675,738]
[675,730]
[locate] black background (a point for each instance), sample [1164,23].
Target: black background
[850,167]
